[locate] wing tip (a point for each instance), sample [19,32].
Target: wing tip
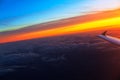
[104,33]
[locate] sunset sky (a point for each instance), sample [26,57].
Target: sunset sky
[17,15]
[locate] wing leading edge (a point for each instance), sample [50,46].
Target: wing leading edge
[110,39]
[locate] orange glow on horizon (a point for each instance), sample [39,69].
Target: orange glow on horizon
[87,22]
[63,30]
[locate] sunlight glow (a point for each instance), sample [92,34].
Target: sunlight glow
[100,5]
[64,30]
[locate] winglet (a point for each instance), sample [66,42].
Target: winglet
[104,33]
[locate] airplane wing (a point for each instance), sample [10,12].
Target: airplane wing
[110,39]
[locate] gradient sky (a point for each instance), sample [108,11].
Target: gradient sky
[16,14]
[20,20]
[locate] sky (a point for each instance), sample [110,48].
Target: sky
[29,19]
[15,14]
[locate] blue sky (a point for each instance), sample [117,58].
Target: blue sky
[21,13]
